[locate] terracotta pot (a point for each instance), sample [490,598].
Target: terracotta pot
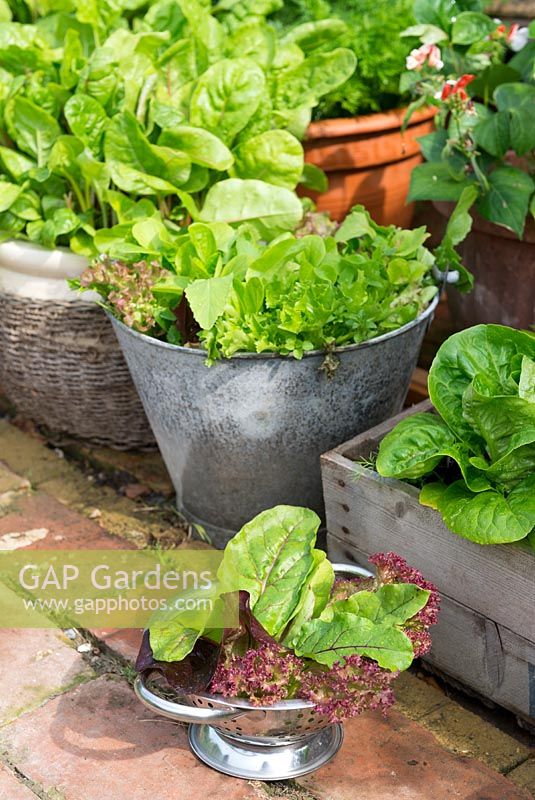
[504,270]
[368,160]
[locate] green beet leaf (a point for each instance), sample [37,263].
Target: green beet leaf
[314,178]
[271,558]
[170,640]
[393,604]
[316,35]
[9,192]
[348,634]
[33,129]
[255,41]
[87,120]
[137,165]
[317,75]
[201,146]
[314,596]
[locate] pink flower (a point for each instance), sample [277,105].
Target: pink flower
[517,38]
[426,54]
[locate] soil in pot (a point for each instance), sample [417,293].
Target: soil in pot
[368,160]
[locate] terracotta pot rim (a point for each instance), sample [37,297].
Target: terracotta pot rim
[368,123]
[482,225]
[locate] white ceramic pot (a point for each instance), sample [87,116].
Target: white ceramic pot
[28,270]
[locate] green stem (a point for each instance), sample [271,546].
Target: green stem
[79,196]
[482,178]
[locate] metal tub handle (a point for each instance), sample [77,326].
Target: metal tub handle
[352,569]
[180,712]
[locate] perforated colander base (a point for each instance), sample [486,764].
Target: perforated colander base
[263,762]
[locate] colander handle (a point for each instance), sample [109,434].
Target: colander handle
[352,569]
[179,712]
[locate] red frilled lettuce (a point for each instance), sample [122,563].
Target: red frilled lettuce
[302,632]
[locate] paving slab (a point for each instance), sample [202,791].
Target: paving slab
[123,641]
[28,456]
[466,733]
[40,522]
[97,742]
[415,698]
[148,468]
[10,481]
[524,775]
[382,759]
[35,664]
[11,788]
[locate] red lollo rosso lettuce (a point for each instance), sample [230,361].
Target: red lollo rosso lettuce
[303,633]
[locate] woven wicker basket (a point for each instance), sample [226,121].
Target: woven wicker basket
[61,365]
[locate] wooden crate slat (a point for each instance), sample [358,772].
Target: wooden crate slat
[486,636]
[378,514]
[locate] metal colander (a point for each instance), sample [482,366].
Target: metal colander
[234,736]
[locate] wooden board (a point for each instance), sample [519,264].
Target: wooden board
[486,637]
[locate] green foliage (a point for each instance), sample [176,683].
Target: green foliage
[373,34]
[199,110]
[482,385]
[289,585]
[485,94]
[290,296]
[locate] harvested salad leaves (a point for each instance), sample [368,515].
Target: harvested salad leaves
[482,384]
[120,113]
[295,294]
[303,632]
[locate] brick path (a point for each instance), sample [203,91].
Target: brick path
[71,728]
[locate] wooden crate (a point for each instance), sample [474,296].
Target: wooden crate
[485,638]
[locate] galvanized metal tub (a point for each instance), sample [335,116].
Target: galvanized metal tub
[246,434]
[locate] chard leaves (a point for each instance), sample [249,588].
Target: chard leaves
[392,604]
[33,129]
[271,558]
[348,634]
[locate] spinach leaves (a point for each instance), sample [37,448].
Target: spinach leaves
[199,112]
[482,383]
